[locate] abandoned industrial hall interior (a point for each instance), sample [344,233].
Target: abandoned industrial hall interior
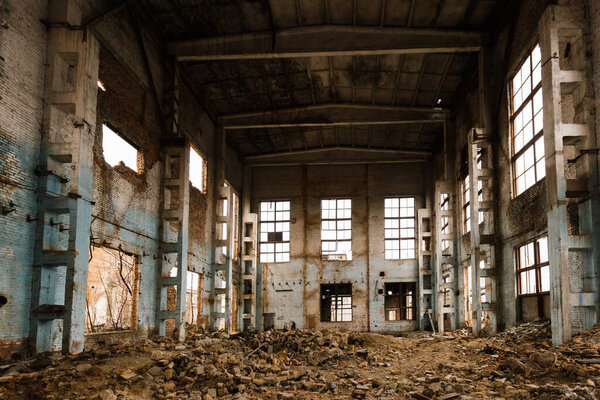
[299,199]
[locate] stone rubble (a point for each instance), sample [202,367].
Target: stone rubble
[519,363]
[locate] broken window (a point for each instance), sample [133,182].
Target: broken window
[111,290]
[527,122]
[336,302]
[117,150]
[336,229]
[197,170]
[400,301]
[399,228]
[274,231]
[533,269]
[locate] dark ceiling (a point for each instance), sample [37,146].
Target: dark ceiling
[254,85]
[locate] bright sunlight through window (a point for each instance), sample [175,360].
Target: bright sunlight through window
[116,149]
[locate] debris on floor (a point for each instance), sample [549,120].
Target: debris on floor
[519,363]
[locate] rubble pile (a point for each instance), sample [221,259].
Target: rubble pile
[304,364]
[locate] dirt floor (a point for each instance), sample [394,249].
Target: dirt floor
[298,364]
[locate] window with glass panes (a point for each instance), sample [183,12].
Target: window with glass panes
[336,228]
[533,269]
[336,302]
[527,121]
[274,231]
[399,228]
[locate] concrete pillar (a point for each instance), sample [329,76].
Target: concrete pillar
[573,241]
[250,317]
[65,170]
[222,266]
[174,227]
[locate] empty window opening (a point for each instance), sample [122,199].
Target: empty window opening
[336,229]
[527,123]
[400,301]
[399,228]
[446,247]
[445,225]
[235,225]
[274,231]
[444,201]
[222,230]
[446,292]
[192,298]
[466,189]
[111,291]
[223,208]
[336,302]
[117,150]
[197,170]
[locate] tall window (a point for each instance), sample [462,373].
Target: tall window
[399,228]
[336,302]
[527,121]
[336,229]
[533,269]
[197,170]
[274,231]
[400,301]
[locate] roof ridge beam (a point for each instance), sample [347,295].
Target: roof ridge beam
[327,40]
[333,115]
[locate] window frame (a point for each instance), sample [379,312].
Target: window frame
[403,311]
[537,266]
[333,301]
[324,253]
[400,238]
[261,221]
[514,113]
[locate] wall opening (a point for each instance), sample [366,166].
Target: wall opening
[336,302]
[197,170]
[117,150]
[111,291]
[400,301]
[192,298]
[3,301]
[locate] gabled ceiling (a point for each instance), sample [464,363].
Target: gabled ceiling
[263,84]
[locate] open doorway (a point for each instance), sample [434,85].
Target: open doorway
[112,287]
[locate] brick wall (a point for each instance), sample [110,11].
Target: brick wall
[593,8]
[22,58]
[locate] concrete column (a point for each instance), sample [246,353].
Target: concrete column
[65,170]
[573,249]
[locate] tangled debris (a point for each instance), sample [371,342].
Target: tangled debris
[519,363]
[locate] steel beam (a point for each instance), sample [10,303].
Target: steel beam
[333,115]
[327,40]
